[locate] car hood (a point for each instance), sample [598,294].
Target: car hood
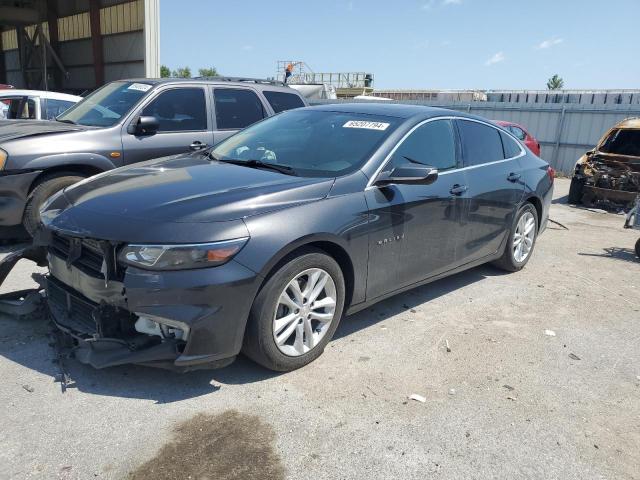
[191,189]
[14,129]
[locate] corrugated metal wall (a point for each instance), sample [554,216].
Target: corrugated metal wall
[565,132]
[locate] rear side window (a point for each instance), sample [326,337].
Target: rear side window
[237,108]
[480,143]
[281,101]
[179,110]
[511,148]
[431,144]
[20,108]
[51,108]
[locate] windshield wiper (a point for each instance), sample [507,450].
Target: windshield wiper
[258,164]
[66,121]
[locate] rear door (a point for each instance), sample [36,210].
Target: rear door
[184,124]
[235,108]
[495,186]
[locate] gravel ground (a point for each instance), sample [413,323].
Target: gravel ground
[508,401]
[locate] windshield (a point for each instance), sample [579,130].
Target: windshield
[312,143]
[622,142]
[107,105]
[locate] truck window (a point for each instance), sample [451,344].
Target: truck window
[237,108]
[179,110]
[281,101]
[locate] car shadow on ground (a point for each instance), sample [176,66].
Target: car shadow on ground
[624,254]
[25,341]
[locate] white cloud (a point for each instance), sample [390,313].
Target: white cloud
[247,48]
[551,42]
[495,58]
[428,5]
[452,2]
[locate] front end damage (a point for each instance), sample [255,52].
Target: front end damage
[118,315]
[607,182]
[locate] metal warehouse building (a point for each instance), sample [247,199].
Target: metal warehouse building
[77,45]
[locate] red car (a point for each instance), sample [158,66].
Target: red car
[522,135]
[4,86]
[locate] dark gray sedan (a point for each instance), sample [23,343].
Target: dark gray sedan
[264,242]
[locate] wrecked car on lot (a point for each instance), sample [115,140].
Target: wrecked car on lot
[261,243]
[609,175]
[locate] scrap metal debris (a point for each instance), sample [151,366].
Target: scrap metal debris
[550,333]
[573,356]
[558,223]
[29,388]
[446,342]
[417,398]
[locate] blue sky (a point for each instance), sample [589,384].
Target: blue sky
[449,44]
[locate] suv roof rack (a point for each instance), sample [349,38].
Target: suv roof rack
[243,79]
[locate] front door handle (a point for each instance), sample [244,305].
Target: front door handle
[513,177]
[458,189]
[197,145]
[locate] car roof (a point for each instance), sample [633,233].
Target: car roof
[227,81]
[13,92]
[397,110]
[629,123]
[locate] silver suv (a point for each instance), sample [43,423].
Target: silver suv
[124,122]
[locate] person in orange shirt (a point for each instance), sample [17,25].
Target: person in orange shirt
[287,72]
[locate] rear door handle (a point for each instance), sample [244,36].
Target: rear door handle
[197,145]
[513,177]
[458,189]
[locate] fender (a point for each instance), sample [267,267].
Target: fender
[58,160]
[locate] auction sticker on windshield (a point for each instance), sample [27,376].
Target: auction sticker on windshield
[366,124]
[143,87]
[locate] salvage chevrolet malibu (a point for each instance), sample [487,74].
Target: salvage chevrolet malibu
[262,243]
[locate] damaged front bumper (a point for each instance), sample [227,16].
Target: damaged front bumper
[608,183]
[123,315]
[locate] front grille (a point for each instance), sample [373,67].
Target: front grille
[73,312]
[90,259]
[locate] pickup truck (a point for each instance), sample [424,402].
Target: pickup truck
[124,122]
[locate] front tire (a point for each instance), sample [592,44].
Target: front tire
[45,188]
[522,239]
[575,190]
[296,312]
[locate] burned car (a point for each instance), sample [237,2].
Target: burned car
[609,175]
[261,243]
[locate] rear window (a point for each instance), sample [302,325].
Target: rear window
[480,143]
[622,142]
[237,108]
[281,101]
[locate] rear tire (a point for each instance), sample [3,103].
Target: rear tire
[513,259]
[575,190]
[262,328]
[45,188]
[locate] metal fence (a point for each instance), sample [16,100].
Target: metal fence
[565,131]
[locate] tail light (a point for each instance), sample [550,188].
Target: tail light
[551,172]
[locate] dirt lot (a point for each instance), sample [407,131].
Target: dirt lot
[508,401]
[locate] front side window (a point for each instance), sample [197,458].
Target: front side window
[312,143]
[51,108]
[237,108]
[622,142]
[179,110]
[107,105]
[281,101]
[431,144]
[480,143]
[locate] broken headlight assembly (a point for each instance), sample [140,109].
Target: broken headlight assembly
[181,257]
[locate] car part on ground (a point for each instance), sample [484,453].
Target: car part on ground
[121,123]
[608,177]
[261,243]
[632,220]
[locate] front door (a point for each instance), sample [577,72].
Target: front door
[184,125]
[416,229]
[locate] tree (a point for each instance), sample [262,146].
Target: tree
[208,72]
[182,72]
[555,83]
[165,71]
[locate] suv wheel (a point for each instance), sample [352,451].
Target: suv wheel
[45,188]
[296,313]
[522,239]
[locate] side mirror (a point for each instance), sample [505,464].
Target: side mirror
[147,125]
[409,174]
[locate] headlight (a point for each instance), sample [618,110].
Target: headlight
[181,257]
[3,158]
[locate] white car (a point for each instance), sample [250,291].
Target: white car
[34,104]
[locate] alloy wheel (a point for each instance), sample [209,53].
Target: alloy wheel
[524,237]
[305,309]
